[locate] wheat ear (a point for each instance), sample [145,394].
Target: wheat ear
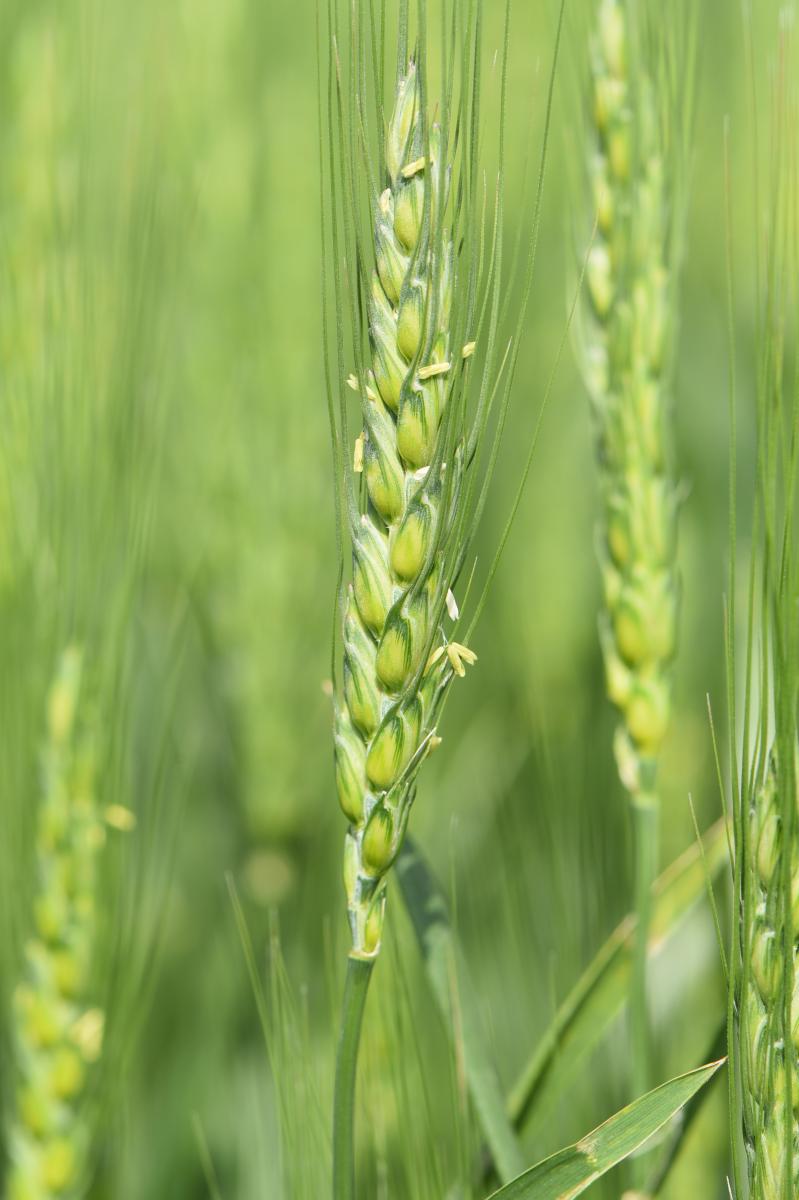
[769,937]
[626,332]
[763,1006]
[417,294]
[57,1032]
[629,288]
[396,666]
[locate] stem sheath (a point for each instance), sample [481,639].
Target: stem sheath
[359,972]
[646,811]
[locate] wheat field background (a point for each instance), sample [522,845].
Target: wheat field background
[167,497]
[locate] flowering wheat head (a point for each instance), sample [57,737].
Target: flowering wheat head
[426,374]
[393,678]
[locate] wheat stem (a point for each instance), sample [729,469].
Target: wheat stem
[359,972]
[645,812]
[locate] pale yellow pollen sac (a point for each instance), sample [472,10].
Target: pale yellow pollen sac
[468,350]
[452,605]
[385,202]
[433,369]
[421,474]
[357,458]
[455,662]
[459,655]
[354,382]
[327,687]
[413,168]
[434,741]
[120,818]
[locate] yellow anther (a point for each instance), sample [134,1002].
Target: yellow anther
[458,655]
[385,202]
[433,369]
[434,741]
[357,458]
[121,818]
[468,350]
[413,168]
[354,382]
[452,606]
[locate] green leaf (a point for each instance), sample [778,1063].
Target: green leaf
[454,996]
[602,991]
[687,1117]
[569,1172]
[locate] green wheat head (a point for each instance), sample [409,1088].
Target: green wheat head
[58,1030]
[765,978]
[769,1027]
[423,365]
[639,116]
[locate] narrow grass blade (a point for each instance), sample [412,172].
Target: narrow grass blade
[601,993]
[206,1161]
[571,1171]
[446,969]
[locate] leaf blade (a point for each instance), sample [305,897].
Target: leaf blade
[601,992]
[569,1172]
[446,969]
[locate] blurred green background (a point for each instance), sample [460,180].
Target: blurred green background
[167,499]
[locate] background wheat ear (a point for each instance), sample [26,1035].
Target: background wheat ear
[83,418]
[639,108]
[58,1027]
[764,975]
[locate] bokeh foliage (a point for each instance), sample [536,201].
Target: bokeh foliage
[166,498]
